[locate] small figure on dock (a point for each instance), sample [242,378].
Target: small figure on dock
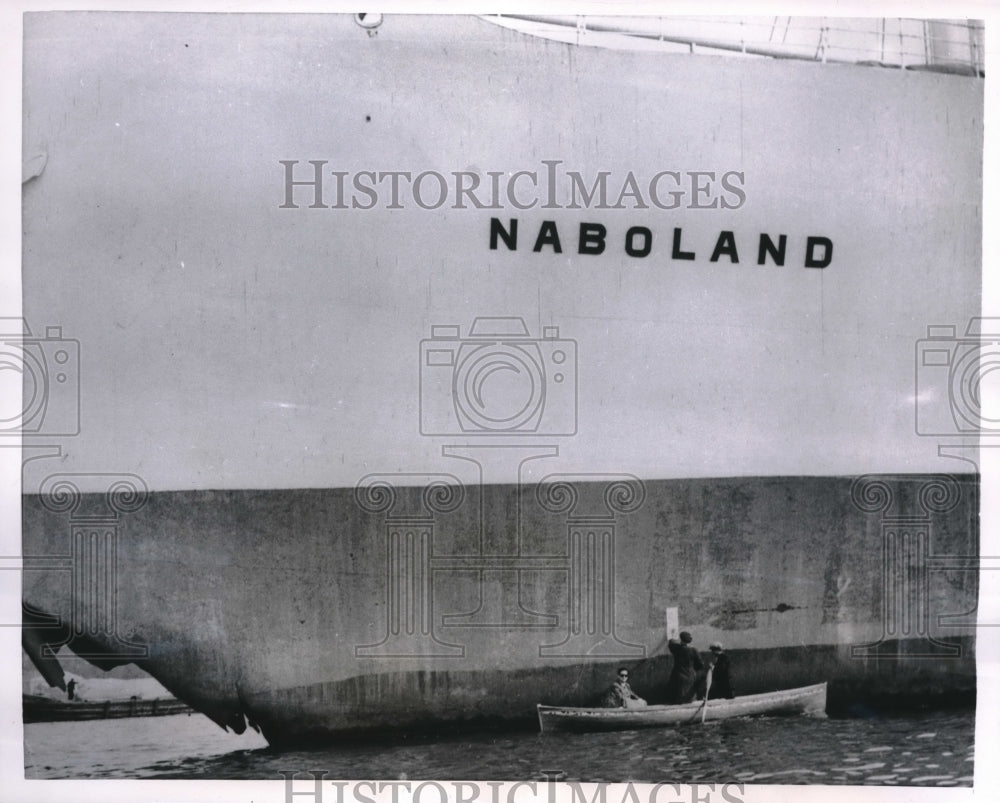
[71,689]
[685,672]
[620,695]
[722,686]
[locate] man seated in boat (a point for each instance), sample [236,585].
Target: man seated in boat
[620,695]
[722,686]
[685,673]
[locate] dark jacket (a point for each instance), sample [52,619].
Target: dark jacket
[722,685]
[687,665]
[620,695]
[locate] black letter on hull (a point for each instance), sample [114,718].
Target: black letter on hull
[647,241]
[811,243]
[592,238]
[726,244]
[509,237]
[676,253]
[548,235]
[767,248]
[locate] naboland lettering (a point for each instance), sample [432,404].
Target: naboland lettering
[637,241]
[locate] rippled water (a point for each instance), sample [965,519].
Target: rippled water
[932,749]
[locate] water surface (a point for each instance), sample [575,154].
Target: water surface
[929,749]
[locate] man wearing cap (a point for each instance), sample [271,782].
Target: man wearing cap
[721,683]
[684,675]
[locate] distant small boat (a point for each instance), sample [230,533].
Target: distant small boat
[809,700]
[44,709]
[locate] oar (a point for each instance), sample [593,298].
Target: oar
[702,709]
[708,685]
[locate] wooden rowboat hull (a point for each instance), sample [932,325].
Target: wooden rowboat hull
[809,700]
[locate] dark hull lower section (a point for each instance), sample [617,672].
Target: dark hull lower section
[391,704]
[318,613]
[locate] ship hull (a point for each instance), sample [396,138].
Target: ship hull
[309,615]
[324,459]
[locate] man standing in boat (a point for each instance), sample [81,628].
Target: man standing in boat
[722,686]
[684,675]
[620,695]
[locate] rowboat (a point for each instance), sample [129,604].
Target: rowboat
[808,700]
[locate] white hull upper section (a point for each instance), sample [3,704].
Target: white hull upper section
[223,337]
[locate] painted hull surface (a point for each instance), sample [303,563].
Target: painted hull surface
[310,616]
[810,700]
